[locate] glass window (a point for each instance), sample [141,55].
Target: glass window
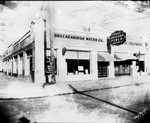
[78,62]
[71,55]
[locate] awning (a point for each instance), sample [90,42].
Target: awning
[123,57]
[104,56]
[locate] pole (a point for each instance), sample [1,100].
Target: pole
[52,60]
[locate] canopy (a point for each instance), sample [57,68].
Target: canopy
[105,56]
[124,56]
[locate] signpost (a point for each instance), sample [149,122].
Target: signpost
[117,38]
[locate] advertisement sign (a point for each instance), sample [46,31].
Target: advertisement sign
[117,38]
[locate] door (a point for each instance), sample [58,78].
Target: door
[102,69]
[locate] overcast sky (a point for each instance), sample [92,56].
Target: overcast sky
[103,16]
[14,23]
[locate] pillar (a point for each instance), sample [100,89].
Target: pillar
[61,65]
[39,74]
[93,64]
[133,68]
[23,63]
[26,64]
[19,65]
[4,66]
[111,70]
[7,67]
[11,66]
[14,65]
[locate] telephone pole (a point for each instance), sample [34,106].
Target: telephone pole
[52,59]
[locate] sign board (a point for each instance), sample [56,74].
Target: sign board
[117,38]
[77,37]
[80,68]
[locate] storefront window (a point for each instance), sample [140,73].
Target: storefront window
[123,68]
[78,62]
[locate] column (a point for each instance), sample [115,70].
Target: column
[93,64]
[39,74]
[14,67]
[111,72]
[26,64]
[11,66]
[19,65]
[23,63]
[61,65]
[4,66]
[133,68]
[7,67]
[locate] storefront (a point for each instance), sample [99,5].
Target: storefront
[78,62]
[132,59]
[77,56]
[103,64]
[123,63]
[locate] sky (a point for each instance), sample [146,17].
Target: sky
[14,23]
[103,17]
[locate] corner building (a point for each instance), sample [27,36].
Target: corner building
[79,55]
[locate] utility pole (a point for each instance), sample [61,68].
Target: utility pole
[49,60]
[52,59]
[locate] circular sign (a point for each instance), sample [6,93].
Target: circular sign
[117,38]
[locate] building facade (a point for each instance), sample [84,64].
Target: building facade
[78,56]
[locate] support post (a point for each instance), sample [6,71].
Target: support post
[52,60]
[39,76]
[111,72]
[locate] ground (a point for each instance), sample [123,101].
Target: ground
[57,103]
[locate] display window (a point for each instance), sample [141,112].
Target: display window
[123,67]
[78,62]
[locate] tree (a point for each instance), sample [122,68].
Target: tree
[9,4]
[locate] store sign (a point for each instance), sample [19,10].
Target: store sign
[75,37]
[117,38]
[48,67]
[133,43]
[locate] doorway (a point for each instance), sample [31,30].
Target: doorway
[103,69]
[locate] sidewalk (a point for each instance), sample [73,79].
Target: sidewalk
[12,87]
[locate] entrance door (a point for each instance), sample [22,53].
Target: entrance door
[102,69]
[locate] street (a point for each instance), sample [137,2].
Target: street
[75,61]
[69,107]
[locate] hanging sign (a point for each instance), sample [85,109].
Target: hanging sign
[117,38]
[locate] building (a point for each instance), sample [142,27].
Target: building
[79,55]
